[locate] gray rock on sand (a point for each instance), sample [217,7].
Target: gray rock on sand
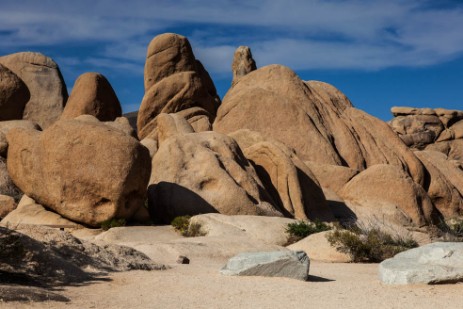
[440,262]
[290,264]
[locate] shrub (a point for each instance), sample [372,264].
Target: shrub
[302,229]
[183,225]
[369,244]
[114,222]
[452,230]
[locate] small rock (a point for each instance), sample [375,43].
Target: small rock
[183,260]
[290,264]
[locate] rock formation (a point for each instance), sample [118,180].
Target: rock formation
[13,95]
[86,172]
[6,126]
[175,82]
[92,94]
[243,63]
[48,93]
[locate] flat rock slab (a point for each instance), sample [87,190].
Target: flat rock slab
[291,264]
[440,262]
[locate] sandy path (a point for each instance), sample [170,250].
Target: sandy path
[200,286]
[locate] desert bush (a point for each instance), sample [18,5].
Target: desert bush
[183,225]
[369,244]
[114,222]
[452,230]
[301,229]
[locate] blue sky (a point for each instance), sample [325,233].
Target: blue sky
[379,53]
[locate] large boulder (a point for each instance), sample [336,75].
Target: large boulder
[290,264]
[453,149]
[13,95]
[315,119]
[7,187]
[387,193]
[6,126]
[440,262]
[7,205]
[174,81]
[92,94]
[333,177]
[194,173]
[243,63]
[417,130]
[48,92]
[291,184]
[87,172]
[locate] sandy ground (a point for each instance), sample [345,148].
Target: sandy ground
[199,285]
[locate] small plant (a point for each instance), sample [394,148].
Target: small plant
[369,244]
[114,222]
[302,229]
[452,230]
[183,225]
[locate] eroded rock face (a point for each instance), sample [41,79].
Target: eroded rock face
[92,94]
[386,192]
[315,119]
[41,75]
[194,173]
[6,126]
[243,63]
[174,81]
[87,172]
[13,95]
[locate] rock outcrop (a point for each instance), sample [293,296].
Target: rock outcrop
[315,119]
[13,95]
[48,93]
[92,94]
[243,63]
[175,81]
[6,126]
[67,169]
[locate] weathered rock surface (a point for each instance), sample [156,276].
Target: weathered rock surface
[7,187]
[92,94]
[6,126]
[332,177]
[387,192]
[452,149]
[291,184]
[13,95]
[243,63]
[315,119]
[174,81]
[29,212]
[434,263]
[48,93]
[417,130]
[290,264]
[7,205]
[319,249]
[66,168]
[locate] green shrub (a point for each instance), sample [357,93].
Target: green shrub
[452,230]
[114,222]
[302,229]
[183,226]
[369,244]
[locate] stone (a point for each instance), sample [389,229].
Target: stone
[183,260]
[439,262]
[290,264]
[443,193]
[29,212]
[448,116]
[7,205]
[92,94]
[291,184]
[243,63]
[67,168]
[42,76]
[132,117]
[313,118]
[332,177]
[406,111]
[452,149]
[6,126]
[457,129]
[319,249]
[386,192]
[13,95]
[204,172]
[7,187]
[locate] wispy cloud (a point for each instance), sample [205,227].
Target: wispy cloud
[321,34]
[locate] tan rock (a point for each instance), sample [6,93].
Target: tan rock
[132,117]
[204,173]
[6,126]
[67,168]
[151,145]
[243,63]
[315,119]
[13,95]
[92,94]
[332,177]
[457,129]
[406,111]
[442,192]
[7,187]
[198,118]
[7,205]
[453,149]
[29,212]
[388,193]
[48,93]
[318,248]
